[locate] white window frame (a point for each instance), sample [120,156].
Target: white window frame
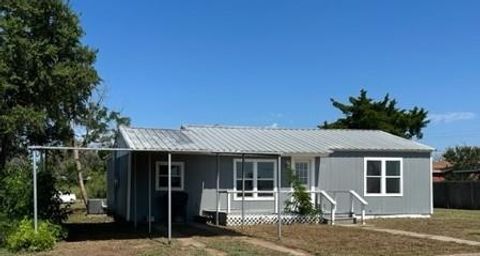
[157,175]
[254,196]
[383,176]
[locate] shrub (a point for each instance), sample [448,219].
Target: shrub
[5,226]
[300,201]
[24,238]
[16,191]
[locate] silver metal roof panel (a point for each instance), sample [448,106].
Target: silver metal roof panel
[239,139]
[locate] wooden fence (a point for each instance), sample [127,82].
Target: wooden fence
[457,194]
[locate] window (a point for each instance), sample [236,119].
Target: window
[383,176]
[301,171]
[161,175]
[259,176]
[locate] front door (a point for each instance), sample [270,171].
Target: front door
[303,168]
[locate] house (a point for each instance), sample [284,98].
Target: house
[224,169]
[440,169]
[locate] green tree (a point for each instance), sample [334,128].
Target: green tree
[366,113]
[462,158]
[96,125]
[46,74]
[47,85]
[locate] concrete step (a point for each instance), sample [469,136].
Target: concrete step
[340,218]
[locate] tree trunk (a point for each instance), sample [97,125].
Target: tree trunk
[78,166]
[3,152]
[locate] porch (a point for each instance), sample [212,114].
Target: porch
[325,202]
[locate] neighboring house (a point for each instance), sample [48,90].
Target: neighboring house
[392,174]
[440,169]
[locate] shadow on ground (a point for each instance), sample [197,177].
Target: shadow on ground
[121,230]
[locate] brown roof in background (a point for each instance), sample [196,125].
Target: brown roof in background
[441,165]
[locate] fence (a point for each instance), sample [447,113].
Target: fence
[456,194]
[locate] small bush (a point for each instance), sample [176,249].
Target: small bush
[300,201]
[24,238]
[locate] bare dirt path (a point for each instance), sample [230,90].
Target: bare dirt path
[188,241]
[256,241]
[421,235]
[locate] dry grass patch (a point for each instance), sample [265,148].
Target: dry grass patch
[464,224]
[337,240]
[236,247]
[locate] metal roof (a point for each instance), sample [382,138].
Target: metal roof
[262,140]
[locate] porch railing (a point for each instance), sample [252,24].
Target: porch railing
[317,194]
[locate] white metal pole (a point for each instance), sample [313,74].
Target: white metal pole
[135,221]
[149,193]
[243,189]
[169,197]
[279,185]
[218,190]
[35,206]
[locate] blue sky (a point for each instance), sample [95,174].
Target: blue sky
[246,62]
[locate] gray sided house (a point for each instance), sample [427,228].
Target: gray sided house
[226,168]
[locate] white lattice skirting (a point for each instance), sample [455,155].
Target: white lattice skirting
[256,219]
[235,219]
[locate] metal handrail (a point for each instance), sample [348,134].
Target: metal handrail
[363,202]
[333,205]
[358,197]
[322,194]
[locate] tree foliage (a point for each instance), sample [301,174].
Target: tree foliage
[48,96]
[462,158]
[16,191]
[46,74]
[366,113]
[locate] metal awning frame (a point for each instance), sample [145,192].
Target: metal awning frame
[36,149]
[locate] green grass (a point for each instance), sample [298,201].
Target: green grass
[464,224]
[4,252]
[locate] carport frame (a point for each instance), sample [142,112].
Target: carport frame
[35,149]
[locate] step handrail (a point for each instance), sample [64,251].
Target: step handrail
[363,203]
[333,205]
[358,197]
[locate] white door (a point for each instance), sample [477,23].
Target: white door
[304,171]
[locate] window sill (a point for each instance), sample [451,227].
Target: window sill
[166,189]
[254,199]
[383,195]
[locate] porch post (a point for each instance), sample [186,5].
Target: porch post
[218,189]
[169,198]
[35,209]
[243,189]
[279,185]
[135,222]
[149,193]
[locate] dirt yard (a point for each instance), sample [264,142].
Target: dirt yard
[338,240]
[100,235]
[464,224]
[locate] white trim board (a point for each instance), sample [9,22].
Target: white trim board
[383,177]
[431,184]
[398,216]
[255,195]
[157,174]
[129,184]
